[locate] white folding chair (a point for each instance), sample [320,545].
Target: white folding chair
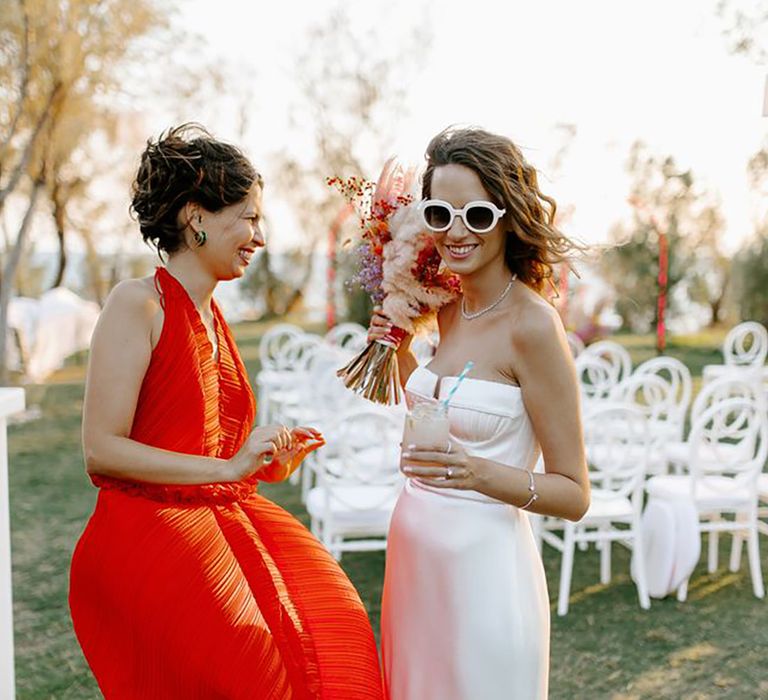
[653,396]
[351,505]
[596,379]
[677,452]
[617,441]
[728,445]
[269,377]
[745,347]
[678,376]
[762,525]
[292,365]
[351,336]
[614,354]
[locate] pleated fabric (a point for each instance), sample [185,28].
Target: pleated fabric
[210,591]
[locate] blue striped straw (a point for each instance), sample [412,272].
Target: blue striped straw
[459,380]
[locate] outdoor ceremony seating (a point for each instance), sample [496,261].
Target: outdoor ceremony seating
[270,377]
[745,348]
[292,364]
[596,378]
[728,445]
[634,423]
[678,376]
[653,396]
[617,443]
[351,336]
[358,482]
[728,387]
[615,355]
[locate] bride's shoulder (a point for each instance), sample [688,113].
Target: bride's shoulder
[535,323]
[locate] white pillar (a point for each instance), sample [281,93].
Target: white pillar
[11,401]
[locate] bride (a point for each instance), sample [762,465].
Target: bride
[465,611]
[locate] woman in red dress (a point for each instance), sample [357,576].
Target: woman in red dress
[186,583]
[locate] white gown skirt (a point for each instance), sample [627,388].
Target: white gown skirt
[465,610]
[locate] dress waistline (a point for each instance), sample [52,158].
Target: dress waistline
[218,493]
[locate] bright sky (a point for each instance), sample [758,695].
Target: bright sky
[618,70]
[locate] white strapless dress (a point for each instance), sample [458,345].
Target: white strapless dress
[465,610]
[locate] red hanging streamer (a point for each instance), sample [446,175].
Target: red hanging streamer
[661,340]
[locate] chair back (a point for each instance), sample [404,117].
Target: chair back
[596,378]
[746,344]
[730,386]
[679,378]
[296,354]
[351,336]
[367,445]
[649,393]
[615,355]
[617,443]
[273,341]
[729,438]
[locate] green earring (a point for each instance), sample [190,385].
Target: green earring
[200,238]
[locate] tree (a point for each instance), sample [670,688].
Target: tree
[665,201]
[351,93]
[59,63]
[708,278]
[746,30]
[659,194]
[751,263]
[751,278]
[746,27]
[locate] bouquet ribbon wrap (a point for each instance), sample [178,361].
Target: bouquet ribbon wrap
[374,372]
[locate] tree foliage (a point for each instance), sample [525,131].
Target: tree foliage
[665,200]
[351,90]
[60,63]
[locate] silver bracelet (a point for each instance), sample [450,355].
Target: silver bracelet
[532,488]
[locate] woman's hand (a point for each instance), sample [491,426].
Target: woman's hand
[381,327]
[261,446]
[450,469]
[284,462]
[279,435]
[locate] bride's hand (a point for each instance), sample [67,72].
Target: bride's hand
[450,469]
[381,327]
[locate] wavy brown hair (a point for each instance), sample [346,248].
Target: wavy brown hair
[186,164]
[533,243]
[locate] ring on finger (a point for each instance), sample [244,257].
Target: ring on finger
[449,474]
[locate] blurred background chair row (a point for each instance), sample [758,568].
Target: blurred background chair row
[664,467]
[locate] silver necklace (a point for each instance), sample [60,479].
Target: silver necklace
[477,314]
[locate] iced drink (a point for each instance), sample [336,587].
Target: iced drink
[426,426]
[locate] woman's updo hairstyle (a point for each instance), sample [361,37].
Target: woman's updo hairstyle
[186,164]
[533,243]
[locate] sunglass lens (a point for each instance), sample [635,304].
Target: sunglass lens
[480,218]
[437,216]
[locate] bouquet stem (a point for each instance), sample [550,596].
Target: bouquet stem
[374,373]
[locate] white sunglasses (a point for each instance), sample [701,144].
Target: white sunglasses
[478,217]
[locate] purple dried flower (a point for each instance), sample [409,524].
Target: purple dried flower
[369,273]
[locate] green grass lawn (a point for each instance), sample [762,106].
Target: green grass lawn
[712,646]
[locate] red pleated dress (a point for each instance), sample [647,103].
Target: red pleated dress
[210,591]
